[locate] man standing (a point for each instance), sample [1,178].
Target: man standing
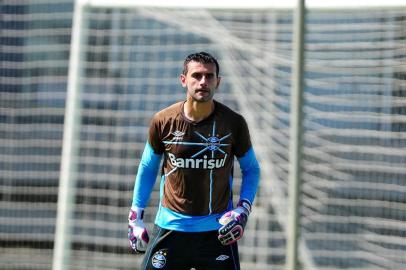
[196,225]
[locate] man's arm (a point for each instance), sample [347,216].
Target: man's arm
[146,176]
[235,220]
[144,182]
[250,176]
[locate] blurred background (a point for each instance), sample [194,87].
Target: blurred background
[353,168]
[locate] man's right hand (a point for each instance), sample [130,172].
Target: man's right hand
[137,233]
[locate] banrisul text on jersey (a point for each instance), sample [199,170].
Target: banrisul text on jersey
[197,163]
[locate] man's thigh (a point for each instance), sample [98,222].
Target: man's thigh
[172,250]
[164,252]
[211,254]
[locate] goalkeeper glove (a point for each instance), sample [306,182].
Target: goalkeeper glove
[137,233]
[234,223]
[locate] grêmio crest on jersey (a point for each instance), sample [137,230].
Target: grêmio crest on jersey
[209,150]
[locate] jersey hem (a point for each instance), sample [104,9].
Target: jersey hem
[171,220]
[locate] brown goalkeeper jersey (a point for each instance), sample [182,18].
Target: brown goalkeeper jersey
[198,157]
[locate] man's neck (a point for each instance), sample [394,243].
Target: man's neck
[197,111]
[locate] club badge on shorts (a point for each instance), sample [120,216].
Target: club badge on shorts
[159,258]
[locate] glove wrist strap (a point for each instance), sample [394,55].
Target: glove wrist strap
[245,204]
[136,213]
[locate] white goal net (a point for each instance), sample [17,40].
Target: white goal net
[353,193]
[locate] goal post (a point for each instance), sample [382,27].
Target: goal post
[67,189]
[124,61]
[70,144]
[296,134]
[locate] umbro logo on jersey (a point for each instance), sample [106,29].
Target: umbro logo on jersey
[222,258]
[178,135]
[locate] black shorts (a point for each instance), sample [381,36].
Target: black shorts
[174,250]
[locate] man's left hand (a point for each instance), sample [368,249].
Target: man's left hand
[234,223]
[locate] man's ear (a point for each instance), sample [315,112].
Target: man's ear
[218,82]
[182,79]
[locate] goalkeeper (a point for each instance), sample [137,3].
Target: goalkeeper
[196,225]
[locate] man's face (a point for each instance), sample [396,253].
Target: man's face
[200,81]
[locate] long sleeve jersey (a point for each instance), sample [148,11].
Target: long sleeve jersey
[197,168]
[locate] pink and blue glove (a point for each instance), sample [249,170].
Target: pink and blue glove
[234,222]
[137,233]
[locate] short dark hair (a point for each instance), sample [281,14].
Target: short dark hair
[201,57]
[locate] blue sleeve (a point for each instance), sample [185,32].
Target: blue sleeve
[146,176]
[250,175]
